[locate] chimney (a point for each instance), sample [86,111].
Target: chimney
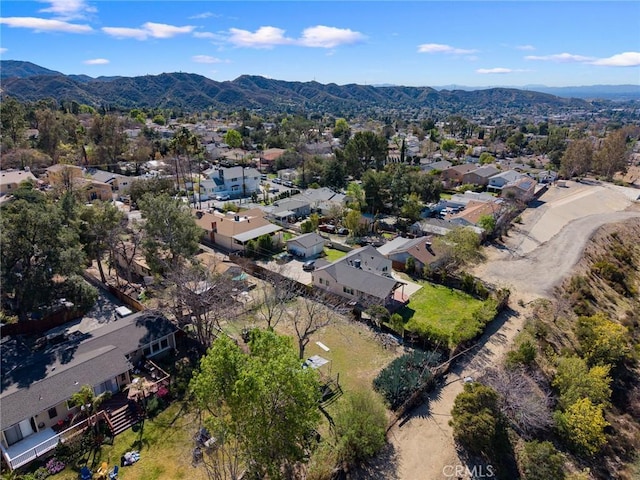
[357,263]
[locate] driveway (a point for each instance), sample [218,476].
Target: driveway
[537,255]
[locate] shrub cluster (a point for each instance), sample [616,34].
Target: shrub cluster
[405,376]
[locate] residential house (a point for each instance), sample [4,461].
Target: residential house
[119,183]
[429,166]
[480,175]
[288,209]
[237,182]
[453,176]
[474,211]
[288,175]
[499,180]
[523,189]
[39,380]
[10,180]
[307,245]
[232,231]
[363,277]
[322,200]
[73,177]
[421,249]
[268,159]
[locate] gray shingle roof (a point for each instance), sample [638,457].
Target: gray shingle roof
[307,240]
[370,259]
[364,281]
[48,377]
[62,381]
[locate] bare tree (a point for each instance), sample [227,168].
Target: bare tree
[310,314]
[272,299]
[523,401]
[201,299]
[123,251]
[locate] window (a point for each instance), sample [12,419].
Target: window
[53,413]
[164,343]
[347,290]
[147,351]
[384,269]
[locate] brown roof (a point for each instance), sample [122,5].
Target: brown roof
[464,168]
[230,225]
[425,252]
[476,210]
[271,154]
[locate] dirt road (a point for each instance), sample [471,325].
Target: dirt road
[537,255]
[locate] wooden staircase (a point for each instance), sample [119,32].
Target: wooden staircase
[120,415]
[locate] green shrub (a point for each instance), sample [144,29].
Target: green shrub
[525,354]
[360,426]
[475,419]
[404,376]
[154,406]
[541,461]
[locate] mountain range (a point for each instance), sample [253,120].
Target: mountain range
[29,82]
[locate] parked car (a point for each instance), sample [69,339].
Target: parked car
[283,257]
[309,266]
[288,184]
[222,198]
[327,228]
[343,231]
[277,180]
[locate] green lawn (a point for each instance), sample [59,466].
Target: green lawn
[332,254]
[165,445]
[440,312]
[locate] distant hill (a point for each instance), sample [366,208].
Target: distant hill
[604,92]
[187,91]
[18,69]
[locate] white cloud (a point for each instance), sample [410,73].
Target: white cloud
[96,61]
[206,59]
[329,37]
[441,48]
[560,58]
[264,37]
[205,35]
[204,15]
[625,59]
[45,25]
[319,36]
[3,50]
[149,29]
[124,32]
[162,30]
[68,9]
[525,47]
[494,70]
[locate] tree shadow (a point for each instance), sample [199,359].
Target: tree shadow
[382,466]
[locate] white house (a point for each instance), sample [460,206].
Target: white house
[237,182]
[307,245]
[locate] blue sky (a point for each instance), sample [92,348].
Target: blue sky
[418,43]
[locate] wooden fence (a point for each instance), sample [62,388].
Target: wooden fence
[34,327]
